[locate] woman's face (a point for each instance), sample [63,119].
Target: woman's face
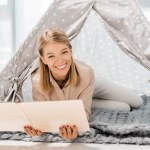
[58,57]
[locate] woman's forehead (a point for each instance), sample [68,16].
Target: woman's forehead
[53,47]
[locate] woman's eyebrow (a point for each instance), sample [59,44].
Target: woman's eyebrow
[49,53]
[63,49]
[53,53]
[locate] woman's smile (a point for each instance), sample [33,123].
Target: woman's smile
[61,67]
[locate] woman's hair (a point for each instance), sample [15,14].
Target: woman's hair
[58,36]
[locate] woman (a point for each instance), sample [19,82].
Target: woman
[60,77]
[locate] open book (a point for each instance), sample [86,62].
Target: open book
[46,116]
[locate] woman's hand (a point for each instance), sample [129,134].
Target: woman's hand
[68,132]
[29,130]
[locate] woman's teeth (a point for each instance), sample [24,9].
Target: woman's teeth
[61,67]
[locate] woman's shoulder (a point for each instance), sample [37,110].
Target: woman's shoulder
[85,71]
[82,65]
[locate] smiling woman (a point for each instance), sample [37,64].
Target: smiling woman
[60,77]
[58,66]
[56,55]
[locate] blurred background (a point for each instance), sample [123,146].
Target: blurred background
[18,17]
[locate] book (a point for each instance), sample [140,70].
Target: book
[46,116]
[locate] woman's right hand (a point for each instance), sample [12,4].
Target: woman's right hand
[29,130]
[68,132]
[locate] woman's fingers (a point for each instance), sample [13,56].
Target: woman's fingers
[31,131]
[63,132]
[39,133]
[27,129]
[68,132]
[75,131]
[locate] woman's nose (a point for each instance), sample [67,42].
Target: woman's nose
[58,59]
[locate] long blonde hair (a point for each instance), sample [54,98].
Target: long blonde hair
[59,36]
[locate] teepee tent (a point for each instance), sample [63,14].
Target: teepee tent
[123,21]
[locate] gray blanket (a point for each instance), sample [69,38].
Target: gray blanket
[107,126]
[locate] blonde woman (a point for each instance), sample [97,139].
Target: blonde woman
[60,77]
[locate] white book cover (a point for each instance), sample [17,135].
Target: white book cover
[46,116]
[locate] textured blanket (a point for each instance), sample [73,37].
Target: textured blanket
[107,126]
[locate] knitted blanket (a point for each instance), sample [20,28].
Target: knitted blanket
[107,126]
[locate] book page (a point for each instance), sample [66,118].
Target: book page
[11,119]
[47,116]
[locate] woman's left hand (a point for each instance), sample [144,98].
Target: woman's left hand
[68,132]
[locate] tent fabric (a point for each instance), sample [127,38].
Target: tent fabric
[94,46]
[126,25]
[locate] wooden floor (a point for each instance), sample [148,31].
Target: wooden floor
[20,145]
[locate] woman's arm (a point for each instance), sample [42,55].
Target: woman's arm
[87,94]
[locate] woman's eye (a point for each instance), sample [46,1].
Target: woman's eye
[50,56]
[65,52]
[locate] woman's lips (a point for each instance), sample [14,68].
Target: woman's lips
[61,67]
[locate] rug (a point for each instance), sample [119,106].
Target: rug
[107,126]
